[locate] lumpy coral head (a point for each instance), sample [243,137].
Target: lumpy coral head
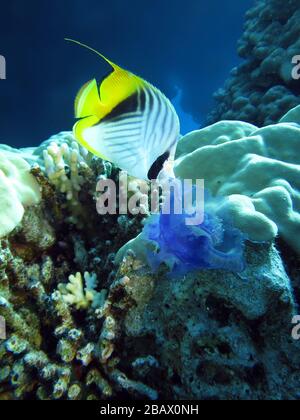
[258,170]
[18,190]
[213,244]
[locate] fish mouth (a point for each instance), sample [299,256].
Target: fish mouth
[157,166]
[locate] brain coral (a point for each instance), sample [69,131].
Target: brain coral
[257,169]
[18,189]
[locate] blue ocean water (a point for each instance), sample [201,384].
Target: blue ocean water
[190,45]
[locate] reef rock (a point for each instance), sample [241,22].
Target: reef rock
[212,334]
[266,85]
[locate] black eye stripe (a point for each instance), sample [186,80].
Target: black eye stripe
[157,166]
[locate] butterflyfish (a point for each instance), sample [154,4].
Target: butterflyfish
[127,121]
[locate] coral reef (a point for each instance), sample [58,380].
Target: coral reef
[262,88]
[87,319]
[47,354]
[212,335]
[53,331]
[257,169]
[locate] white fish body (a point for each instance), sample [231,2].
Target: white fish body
[127,121]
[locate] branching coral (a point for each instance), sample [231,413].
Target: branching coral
[62,165]
[65,164]
[75,294]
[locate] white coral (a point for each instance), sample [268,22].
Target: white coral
[18,190]
[62,165]
[79,293]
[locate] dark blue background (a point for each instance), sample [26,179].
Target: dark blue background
[186,43]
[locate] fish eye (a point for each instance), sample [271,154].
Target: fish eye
[157,166]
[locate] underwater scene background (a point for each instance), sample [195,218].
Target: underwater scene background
[190,47]
[107,292]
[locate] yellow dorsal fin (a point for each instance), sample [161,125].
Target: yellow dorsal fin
[118,86]
[114,89]
[93,50]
